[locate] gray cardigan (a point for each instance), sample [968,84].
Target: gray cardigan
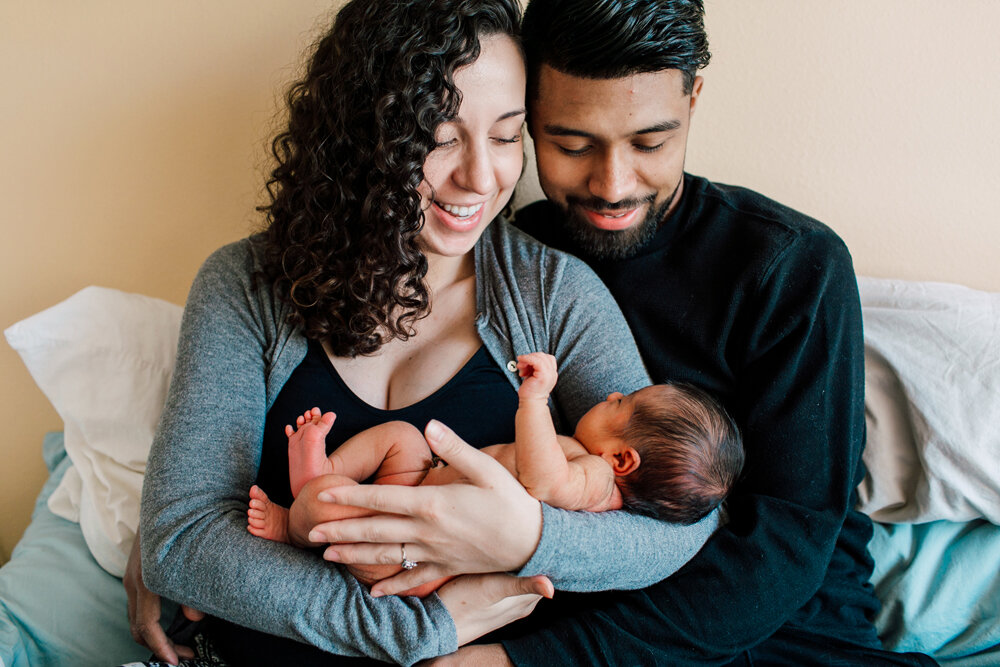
[236,352]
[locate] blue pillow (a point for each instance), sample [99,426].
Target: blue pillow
[57,605]
[939,583]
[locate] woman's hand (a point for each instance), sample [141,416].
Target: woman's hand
[144,613]
[481,603]
[488,523]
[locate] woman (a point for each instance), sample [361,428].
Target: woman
[382,291]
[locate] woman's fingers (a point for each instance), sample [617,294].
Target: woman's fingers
[192,614]
[388,498]
[144,613]
[388,552]
[407,580]
[481,469]
[486,523]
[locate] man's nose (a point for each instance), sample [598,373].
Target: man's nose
[613,177]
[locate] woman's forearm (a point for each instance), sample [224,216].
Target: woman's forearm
[617,550]
[196,549]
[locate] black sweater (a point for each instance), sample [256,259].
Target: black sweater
[758,304]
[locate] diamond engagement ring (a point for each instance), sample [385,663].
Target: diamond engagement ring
[407,564]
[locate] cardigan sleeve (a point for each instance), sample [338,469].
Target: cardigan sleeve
[195,546]
[800,402]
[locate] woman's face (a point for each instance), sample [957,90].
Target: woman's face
[470,176]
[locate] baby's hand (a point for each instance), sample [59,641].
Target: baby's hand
[539,372]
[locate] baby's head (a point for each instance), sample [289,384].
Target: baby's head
[674,450]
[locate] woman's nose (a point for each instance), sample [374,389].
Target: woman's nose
[615,396]
[476,172]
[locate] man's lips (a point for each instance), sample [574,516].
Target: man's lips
[612,220]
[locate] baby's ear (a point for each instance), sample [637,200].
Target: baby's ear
[625,461]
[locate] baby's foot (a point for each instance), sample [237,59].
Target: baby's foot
[265,519]
[307,448]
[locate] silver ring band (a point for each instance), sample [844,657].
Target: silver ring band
[406,564]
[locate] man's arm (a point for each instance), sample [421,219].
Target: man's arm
[800,403]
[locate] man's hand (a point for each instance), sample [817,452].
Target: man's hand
[479,655]
[144,613]
[539,372]
[481,603]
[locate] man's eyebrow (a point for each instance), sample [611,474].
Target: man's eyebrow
[563,131]
[665,126]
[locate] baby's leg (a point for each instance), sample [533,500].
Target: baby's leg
[407,455]
[307,448]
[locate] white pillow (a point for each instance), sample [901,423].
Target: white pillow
[932,385]
[104,359]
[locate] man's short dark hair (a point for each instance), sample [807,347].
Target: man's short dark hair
[609,39]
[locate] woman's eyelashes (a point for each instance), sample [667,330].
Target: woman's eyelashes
[508,140]
[445,143]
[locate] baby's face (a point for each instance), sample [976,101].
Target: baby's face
[599,431]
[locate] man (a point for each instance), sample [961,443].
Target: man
[728,290]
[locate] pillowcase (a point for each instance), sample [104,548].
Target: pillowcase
[104,359]
[932,381]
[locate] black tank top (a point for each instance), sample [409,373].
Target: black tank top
[478,403]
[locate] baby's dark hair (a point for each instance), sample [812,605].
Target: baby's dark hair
[690,454]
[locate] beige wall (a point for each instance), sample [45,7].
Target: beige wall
[133,144]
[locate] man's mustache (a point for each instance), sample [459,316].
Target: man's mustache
[597,204]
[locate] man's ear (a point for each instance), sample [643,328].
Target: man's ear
[623,462]
[696,91]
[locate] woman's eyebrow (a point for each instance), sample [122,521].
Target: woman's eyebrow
[504,116]
[512,114]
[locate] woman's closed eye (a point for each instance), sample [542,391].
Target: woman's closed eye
[508,140]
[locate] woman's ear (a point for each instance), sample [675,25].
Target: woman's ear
[625,461]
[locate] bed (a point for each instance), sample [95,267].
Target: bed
[932,406]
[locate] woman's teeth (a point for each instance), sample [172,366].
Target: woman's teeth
[461,211]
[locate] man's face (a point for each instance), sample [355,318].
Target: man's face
[610,153]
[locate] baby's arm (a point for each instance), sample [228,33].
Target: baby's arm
[541,456]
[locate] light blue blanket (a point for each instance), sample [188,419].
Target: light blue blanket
[939,583]
[57,606]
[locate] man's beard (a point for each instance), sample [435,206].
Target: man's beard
[603,244]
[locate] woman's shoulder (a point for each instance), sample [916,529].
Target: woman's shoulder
[234,259]
[522,255]
[234,274]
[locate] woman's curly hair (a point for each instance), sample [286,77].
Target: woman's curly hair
[344,214]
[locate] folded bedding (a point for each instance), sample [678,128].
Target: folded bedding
[932,407]
[57,605]
[939,584]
